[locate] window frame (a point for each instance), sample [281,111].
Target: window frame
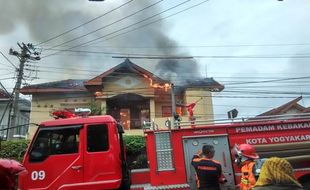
[166,111]
[163,146]
[106,138]
[50,143]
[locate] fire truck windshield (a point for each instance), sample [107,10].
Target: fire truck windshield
[54,141]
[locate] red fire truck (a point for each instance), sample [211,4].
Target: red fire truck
[77,153]
[88,153]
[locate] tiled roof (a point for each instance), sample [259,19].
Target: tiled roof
[70,85]
[205,82]
[3,94]
[282,109]
[125,67]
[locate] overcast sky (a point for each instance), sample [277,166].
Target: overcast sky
[258,49]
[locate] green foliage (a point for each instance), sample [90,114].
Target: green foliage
[13,149]
[95,108]
[139,162]
[134,144]
[136,151]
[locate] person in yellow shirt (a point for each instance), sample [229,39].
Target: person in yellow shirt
[277,174]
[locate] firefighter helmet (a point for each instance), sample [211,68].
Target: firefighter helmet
[247,151]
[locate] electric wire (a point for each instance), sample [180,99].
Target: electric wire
[8,66]
[181,76]
[267,81]
[8,78]
[122,55]
[265,93]
[103,27]
[123,28]
[83,24]
[187,46]
[8,60]
[73,68]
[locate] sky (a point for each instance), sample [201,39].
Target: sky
[258,49]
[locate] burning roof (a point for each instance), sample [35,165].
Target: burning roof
[96,83]
[125,67]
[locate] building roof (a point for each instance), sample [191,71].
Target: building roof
[70,85]
[4,94]
[210,83]
[96,83]
[128,66]
[125,67]
[286,107]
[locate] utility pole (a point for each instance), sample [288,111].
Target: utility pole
[26,53]
[173,106]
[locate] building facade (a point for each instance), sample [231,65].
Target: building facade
[129,93]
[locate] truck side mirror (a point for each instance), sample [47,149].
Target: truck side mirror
[120,128]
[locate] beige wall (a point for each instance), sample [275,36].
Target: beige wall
[43,104]
[204,108]
[122,84]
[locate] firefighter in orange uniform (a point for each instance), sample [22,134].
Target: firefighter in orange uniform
[208,171]
[245,157]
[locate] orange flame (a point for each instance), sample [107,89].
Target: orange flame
[166,86]
[97,94]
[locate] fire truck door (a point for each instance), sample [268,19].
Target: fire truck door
[222,154]
[55,160]
[102,166]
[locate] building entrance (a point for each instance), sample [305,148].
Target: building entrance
[129,109]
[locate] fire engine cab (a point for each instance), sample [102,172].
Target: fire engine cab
[76,153]
[88,152]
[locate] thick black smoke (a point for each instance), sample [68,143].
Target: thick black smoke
[45,19]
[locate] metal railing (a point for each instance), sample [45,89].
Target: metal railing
[282,117]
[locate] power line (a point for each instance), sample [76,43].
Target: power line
[161,56]
[7,78]
[264,92]
[193,46]
[142,26]
[73,68]
[7,73]
[126,17]
[8,60]
[205,46]
[266,81]
[173,7]
[142,89]
[8,66]
[297,85]
[275,79]
[219,56]
[74,28]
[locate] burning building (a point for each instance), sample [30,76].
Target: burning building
[128,92]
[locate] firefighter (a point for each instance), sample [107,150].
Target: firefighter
[245,157]
[208,171]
